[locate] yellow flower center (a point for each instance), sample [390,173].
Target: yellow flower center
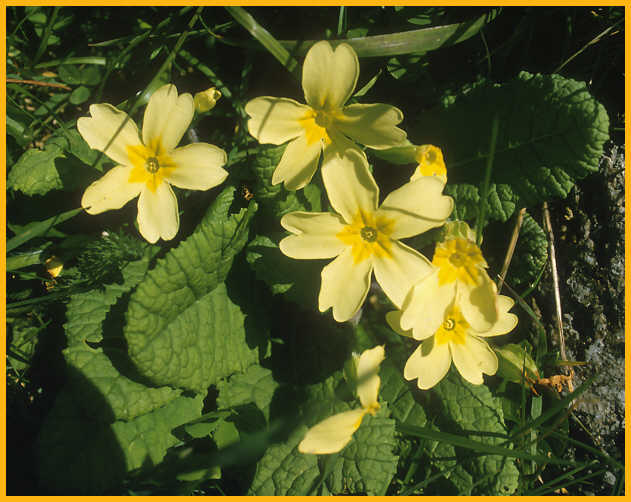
[316,125]
[454,328]
[150,164]
[430,161]
[368,235]
[458,260]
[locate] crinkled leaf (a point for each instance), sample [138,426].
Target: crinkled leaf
[368,463]
[104,394]
[399,395]
[500,202]
[274,199]
[79,456]
[87,311]
[204,343]
[285,471]
[167,298]
[35,172]
[298,280]
[474,409]
[552,133]
[531,253]
[256,385]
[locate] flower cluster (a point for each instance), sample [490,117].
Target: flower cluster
[449,304]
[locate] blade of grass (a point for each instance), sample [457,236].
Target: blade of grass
[476,446]
[479,222]
[565,485]
[266,39]
[101,61]
[40,228]
[395,44]
[43,43]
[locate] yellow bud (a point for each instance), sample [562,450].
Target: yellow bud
[206,100]
[54,266]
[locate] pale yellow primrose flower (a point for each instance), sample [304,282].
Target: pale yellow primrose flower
[324,124]
[430,163]
[456,340]
[458,275]
[148,166]
[334,433]
[364,237]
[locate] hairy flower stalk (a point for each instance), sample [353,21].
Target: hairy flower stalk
[364,237]
[148,166]
[325,124]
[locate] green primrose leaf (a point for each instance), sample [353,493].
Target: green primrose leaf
[35,172]
[178,331]
[285,471]
[474,409]
[551,133]
[104,393]
[274,199]
[80,95]
[87,311]
[256,385]
[531,253]
[78,456]
[283,275]
[202,344]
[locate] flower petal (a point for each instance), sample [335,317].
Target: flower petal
[275,120]
[397,272]
[477,302]
[157,213]
[333,433]
[345,286]
[316,237]
[473,358]
[298,164]
[425,307]
[349,184]
[329,77]
[393,319]
[506,321]
[198,166]
[429,363]
[416,207]
[167,117]
[369,381]
[99,129]
[373,125]
[112,191]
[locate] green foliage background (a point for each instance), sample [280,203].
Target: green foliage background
[195,366]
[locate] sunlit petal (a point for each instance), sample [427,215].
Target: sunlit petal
[473,358]
[373,125]
[345,286]
[298,164]
[316,235]
[349,185]
[167,117]
[425,306]
[429,363]
[367,369]
[157,213]
[333,433]
[506,321]
[101,127]
[329,77]
[397,272]
[275,120]
[112,191]
[417,207]
[393,319]
[478,302]
[198,166]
